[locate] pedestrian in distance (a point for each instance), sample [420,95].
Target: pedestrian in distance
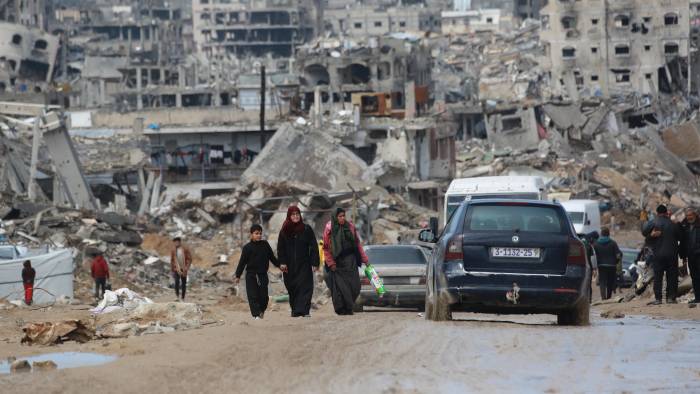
[607,256]
[663,237]
[255,260]
[690,249]
[343,255]
[298,252]
[28,276]
[100,274]
[180,263]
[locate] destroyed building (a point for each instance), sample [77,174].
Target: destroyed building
[463,22]
[364,21]
[31,13]
[27,58]
[373,75]
[250,27]
[607,48]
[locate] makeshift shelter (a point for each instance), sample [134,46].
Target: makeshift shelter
[54,273]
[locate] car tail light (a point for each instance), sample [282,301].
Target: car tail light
[577,253]
[454,249]
[421,281]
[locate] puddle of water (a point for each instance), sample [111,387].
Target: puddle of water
[64,360]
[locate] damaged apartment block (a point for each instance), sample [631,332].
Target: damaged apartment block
[253,28]
[374,77]
[614,48]
[27,58]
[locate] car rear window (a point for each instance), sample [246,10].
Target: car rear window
[522,218]
[396,256]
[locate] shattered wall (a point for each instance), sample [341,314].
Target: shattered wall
[513,127]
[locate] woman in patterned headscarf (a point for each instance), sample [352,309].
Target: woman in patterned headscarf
[343,254]
[298,251]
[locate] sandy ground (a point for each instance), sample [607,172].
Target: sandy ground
[381,350]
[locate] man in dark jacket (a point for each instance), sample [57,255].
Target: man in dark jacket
[28,275]
[663,237]
[690,248]
[607,255]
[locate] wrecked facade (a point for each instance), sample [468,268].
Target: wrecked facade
[374,76]
[598,48]
[27,58]
[253,28]
[362,21]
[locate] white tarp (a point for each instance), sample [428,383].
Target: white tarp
[54,272]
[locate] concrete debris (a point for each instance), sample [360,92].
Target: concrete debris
[51,333]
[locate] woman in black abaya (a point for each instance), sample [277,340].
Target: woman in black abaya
[298,251]
[343,255]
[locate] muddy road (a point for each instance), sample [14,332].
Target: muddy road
[385,351]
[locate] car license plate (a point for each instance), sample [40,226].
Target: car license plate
[524,253]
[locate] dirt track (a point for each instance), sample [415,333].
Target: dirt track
[380,351]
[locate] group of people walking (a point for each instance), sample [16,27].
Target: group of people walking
[298,257]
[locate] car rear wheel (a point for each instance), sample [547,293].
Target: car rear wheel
[578,316]
[437,309]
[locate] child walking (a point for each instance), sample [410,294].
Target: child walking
[255,260]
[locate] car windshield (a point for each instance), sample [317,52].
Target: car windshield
[629,255]
[523,218]
[395,256]
[576,217]
[453,202]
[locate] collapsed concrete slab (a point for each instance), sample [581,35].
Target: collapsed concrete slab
[683,140]
[307,156]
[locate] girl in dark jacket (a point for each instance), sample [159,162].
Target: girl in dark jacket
[297,249]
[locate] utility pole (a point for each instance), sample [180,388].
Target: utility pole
[262,106]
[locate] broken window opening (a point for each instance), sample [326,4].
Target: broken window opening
[568,22]
[378,24]
[594,49]
[378,134]
[622,50]
[511,124]
[29,69]
[383,71]
[356,74]
[358,25]
[663,81]
[647,48]
[370,104]
[671,19]
[568,52]
[622,21]
[17,39]
[41,45]
[622,76]
[316,75]
[671,49]
[594,77]
[594,21]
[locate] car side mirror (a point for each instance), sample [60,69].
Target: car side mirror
[426,235]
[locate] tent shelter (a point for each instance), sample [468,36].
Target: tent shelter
[54,273]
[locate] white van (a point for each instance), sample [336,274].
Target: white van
[517,187]
[584,214]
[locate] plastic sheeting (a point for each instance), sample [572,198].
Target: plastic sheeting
[54,273]
[118,299]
